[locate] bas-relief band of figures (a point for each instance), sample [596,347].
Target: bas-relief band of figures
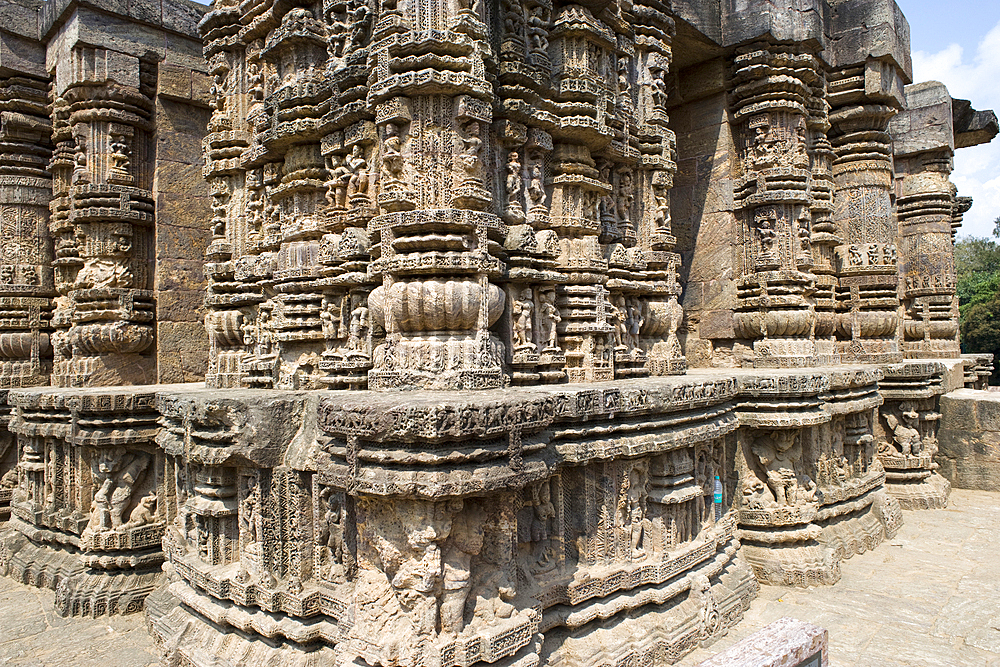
[561,206]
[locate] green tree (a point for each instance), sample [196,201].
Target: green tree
[977,265]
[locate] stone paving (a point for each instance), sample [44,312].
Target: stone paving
[928,598]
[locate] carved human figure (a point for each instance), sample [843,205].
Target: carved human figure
[340,176]
[116,473]
[357,183]
[357,334]
[617,313]
[341,561]
[250,510]
[550,320]
[626,196]
[766,225]
[119,170]
[329,322]
[873,254]
[854,255]
[904,434]
[764,150]
[418,579]
[392,156]
[779,451]
[543,513]
[635,321]
[623,85]
[536,187]
[515,183]
[658,87]
[465,542]
[636,511]
[804,231]
[661,211]
[360,25]
[472,145]
[538,30]
[522,312]
[255,80]
[80,172]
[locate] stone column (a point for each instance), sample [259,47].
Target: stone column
[772,85]
[26,287]
[105,313]
[925,136]
[864,97]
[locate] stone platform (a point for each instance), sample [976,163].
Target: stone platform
[930,596]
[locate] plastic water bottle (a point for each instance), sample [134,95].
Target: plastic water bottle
[718,498]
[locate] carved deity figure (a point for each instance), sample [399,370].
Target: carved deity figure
[116,473]
[779,451]
[550,320]
[905,436]
[523,330]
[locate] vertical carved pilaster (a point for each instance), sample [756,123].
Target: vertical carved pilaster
[864,98]
[105,312]
[772,87]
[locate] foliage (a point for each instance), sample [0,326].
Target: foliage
[977,264]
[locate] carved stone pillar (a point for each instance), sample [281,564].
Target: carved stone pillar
[437,237]
[772,86]
[105,312]
[925,136]
[864,98]
[26,287]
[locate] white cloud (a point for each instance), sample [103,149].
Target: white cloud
[977,169]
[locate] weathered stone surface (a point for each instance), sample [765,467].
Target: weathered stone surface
[456,261]
[969,439]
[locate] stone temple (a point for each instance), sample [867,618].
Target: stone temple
[441,333]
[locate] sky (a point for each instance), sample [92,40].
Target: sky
[958,43]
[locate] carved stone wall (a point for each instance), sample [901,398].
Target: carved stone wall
[501,552]
[533,216]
